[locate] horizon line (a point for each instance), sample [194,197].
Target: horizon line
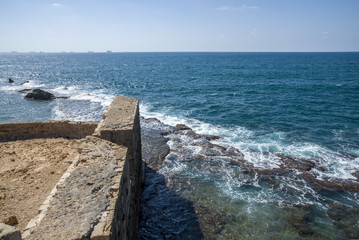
[109,52]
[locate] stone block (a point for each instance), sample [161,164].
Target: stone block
[9,233]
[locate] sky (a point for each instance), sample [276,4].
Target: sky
[179,25]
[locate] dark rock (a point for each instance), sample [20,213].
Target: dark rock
[9,233]
[212,137]
[62,97]
[11,81]
[181,127]
[38,94]
[332,183]
[154,144]
[24,82]
[356,174]
[296,163]
[25,91]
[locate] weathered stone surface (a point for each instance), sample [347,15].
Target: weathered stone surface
[120,114]
[121,125]
[27,181]
[99,197]
[48,129]
[38,94]
[11,220]
[78,204]
[9,233]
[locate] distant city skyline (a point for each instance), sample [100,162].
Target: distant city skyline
[179,26]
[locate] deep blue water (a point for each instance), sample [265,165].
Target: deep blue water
[304,105]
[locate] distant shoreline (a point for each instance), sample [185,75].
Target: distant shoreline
[116,52]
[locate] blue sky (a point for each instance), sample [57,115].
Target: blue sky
[179,25]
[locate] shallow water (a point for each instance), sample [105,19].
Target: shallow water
[286,160]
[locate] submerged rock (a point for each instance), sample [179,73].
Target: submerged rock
[38,94]
[345,218]
[300,219]
[212,221]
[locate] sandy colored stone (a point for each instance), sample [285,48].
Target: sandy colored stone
[25,174]
[9,233]
[79,203]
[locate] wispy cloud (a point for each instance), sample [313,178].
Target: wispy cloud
[247,7]
[56,5]
[325,35]
[253,32]
[223,8]
[242,7]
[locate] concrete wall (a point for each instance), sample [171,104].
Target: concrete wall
[48,129]
[98,197]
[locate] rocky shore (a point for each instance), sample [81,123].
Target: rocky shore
[211,157]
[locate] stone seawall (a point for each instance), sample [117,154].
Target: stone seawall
[48,129]
[98,197]
[121,125]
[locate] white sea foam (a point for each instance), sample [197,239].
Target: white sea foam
[260,150]
[85,100]
[27,85]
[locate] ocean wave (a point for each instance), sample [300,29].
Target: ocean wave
[25,85]
[262,150]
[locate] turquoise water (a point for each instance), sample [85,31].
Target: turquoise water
[301,105]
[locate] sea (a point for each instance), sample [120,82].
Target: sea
[235,145]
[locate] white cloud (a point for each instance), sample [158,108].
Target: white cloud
[56,5]
[223,8]
[242,7]
[247,7]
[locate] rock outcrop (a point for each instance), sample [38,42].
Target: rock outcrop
[11,81]
[38,94]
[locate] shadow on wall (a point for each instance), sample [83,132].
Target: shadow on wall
[164,214]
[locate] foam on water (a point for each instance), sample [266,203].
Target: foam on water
[260,150]
[82,104]
[17,87]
